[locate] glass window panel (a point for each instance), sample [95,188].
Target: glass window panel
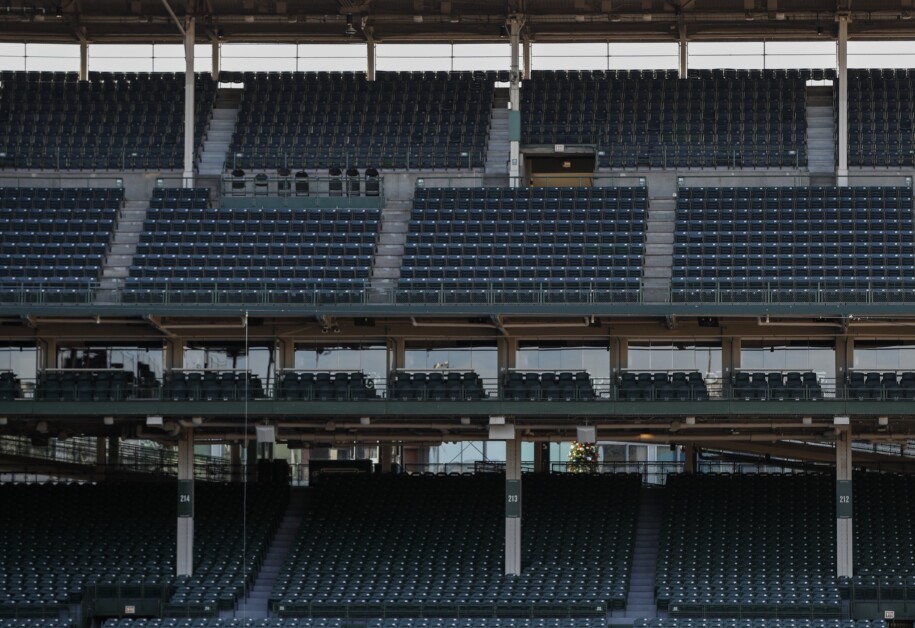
[371,359]
[23,361]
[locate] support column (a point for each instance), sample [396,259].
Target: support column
[684,52]
[845,359]
[842,57]
[730,362]
[844,540]
[514,115]
[214,71]
[370,59]
[101,452]
[235,462]
[690,455]
[385,458]
[513,507]
[286,357]
[114,450]
[185,549]
[526,48]
[189,32]
[84,61]
[542,457]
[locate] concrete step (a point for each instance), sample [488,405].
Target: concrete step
[119,273]
[659,238]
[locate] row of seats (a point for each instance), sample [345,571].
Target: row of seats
[211,385]
[548,386]
[437,386]
[675,385]
[887,385]
[87,385]
[112,384]
[776,385]
[337,622]
[325,386]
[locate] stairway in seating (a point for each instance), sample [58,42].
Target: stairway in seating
[255,605]
[821,140]
[215,156]
[392,236]
[120,254]
[640,601]
[497,146]
[659,250]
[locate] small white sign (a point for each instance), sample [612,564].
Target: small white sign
[559,148]
[889,614]
[130,610]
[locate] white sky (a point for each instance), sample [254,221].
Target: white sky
[292,57]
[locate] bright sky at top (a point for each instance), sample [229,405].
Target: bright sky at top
[352,57]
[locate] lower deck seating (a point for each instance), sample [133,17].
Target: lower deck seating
[418,546]
[749,546]
[59,543]
[664,386]
[548,386]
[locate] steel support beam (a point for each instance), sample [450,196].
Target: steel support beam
[185,549]
[513,507]
[844,520]
[842,58]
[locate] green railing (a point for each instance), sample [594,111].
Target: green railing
[838,292]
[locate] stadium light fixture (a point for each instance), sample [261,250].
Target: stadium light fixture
[350,30]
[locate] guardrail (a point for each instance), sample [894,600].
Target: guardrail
[180,294]
[83,451]
[384,388]
[775,293]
